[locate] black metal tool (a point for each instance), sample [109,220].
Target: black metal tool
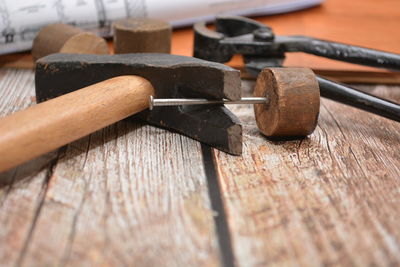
[261,48]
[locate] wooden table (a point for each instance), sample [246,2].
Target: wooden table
[135,195]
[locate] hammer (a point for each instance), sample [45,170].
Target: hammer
[114,87]
[290,104]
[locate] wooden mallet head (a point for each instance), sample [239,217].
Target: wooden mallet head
[293,102]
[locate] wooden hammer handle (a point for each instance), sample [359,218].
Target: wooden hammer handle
[54,123]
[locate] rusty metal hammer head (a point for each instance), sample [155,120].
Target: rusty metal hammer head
[170,75]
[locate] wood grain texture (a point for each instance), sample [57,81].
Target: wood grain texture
[21,190]
[293,102]
[142,35]
[130,195]
[330,199]
[135,195]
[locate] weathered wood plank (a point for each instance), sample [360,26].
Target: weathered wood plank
[129,194]
[136,195]
[333,198]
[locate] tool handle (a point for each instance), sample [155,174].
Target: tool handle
[353,97]
[344,52]
[54,123]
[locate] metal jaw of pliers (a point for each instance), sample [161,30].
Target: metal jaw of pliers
[261,48]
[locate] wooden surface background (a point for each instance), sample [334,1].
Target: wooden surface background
[135,195]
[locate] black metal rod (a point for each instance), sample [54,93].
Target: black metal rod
[353,97]
[344,52]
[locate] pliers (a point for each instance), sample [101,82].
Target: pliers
[261,48]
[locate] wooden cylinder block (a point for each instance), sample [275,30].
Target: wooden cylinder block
[293,102]
[142,36]
[63,38]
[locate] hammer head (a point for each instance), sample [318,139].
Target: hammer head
[171,76]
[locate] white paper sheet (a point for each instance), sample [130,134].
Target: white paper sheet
[20,20]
